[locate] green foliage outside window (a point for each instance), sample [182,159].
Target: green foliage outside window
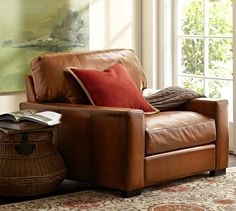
[219,49]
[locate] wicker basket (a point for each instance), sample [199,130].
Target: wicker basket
[29,163]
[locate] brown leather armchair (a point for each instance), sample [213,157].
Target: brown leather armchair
[124,148]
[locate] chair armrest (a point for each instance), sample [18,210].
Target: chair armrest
[114,139]
[68,106]
[118,143]
[218,110]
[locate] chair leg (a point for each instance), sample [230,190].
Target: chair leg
[131,193]
[217,172]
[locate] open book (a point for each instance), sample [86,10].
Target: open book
[49,118]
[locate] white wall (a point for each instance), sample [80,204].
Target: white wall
[113,24]
[149,41]
[10,102]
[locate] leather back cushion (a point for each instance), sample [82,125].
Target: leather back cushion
[53,83]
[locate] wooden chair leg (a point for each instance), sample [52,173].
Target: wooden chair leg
[217,172]
[131,193]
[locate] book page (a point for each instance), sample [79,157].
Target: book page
[46,117]
[15,115]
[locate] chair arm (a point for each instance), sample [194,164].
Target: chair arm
[68,106]
[115,144]
[218,110]
[118,143]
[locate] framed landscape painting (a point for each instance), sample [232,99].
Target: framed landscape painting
[30,28]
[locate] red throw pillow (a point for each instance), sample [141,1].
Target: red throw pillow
[111,87]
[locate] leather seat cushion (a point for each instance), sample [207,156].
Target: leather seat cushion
[172,130]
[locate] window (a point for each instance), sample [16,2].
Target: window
[203,55]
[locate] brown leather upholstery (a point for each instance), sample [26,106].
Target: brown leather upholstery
[180,163]
[124,148]
[217,109]
[29,86]
[172,130]
[52,83]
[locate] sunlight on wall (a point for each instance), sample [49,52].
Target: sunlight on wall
[115,24]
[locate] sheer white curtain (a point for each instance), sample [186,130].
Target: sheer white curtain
[157,42]
[233,125]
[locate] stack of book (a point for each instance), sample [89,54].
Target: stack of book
[29,119]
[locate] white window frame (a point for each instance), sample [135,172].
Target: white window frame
[204,37]
[232,126]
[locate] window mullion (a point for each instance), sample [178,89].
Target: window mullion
[176,50]
[206,44]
